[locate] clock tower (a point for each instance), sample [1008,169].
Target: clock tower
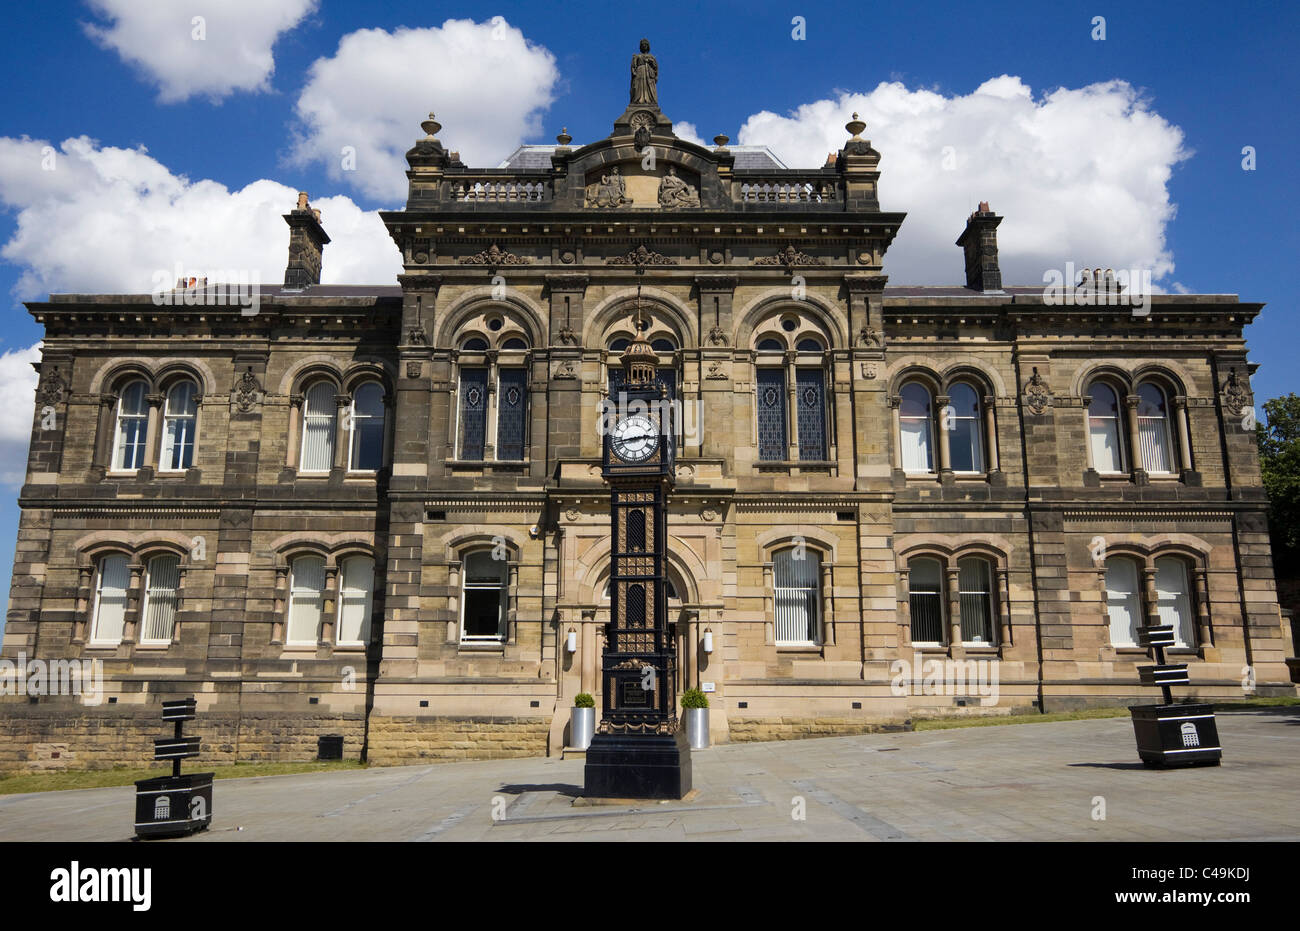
[639,750]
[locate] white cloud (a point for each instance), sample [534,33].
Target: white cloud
[1079,175]
[485,81]
[105,219]
[688,132]
[161,38]
[17,387]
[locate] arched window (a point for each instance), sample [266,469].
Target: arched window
[975,595]
[318,415]
[367,428]
[915,418]
[158,614]
[355,599]
[771,345]
[619,344]
[306,600]
[797,596]
[109,620]
[180,417]
[663,344]
[132,427]
[810,398]
[925,600]
[1123,603]
[514,343]
[1153,430]
[483,597]
[965,445]
[1173,599]
[1105,437]
[474,344]
[770,384]
[809,345]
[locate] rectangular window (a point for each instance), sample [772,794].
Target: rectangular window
[1173,602]
[355,601]
[473,413]
[810,393]
[975,592]
[771,415]
[512,410]
[796,576]
[483,597]
[1123,607]
[925,600]
[306,600]
[159,615]
[110,601]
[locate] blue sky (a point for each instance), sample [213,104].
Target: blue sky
[1178,89]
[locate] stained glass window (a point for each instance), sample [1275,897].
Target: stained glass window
[473,412]
[771,414]
[512,406]
[810,394]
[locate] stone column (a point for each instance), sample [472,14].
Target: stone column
[1151,607]
[991,435]
[85,595]
[1004,606]
[791,409]
[490,420]
[100,461]
[1134,447]
[955,648]
[453,603]
[828,603]
[1184,442]
[133,598]
[342,435]
[281,614]
[944,465]
[1203,635]
[769,607]
[152,428]
[390,407]
[329,607]
[587,644]
[295,427]
[904,610]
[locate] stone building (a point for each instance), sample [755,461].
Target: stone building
[377,511]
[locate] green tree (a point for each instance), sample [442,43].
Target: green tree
[1279,459]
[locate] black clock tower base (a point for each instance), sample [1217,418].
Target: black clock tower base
[638,766]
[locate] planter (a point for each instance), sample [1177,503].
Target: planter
[582,725]
[173,806]
[1176,735]
[697,727]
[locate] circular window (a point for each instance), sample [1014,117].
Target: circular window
[495,324]
[475,344]
[789,324]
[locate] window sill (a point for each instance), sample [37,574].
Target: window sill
[103,646]
[154,647]
[477,646]
[798,648]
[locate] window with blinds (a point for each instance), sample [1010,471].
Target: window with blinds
[1123,604]
[367,422]
[306,600]
[771,415]
[512,409]
[975,594]
[1153,430]
[132,427]
[180,417]
[318,415]
[356,594]
[110,600]
[1104,429]
[797,595]
[1173,599]
[810,394]
[925,600]
[915,422]
[473,413]
[965,445]
[158,614]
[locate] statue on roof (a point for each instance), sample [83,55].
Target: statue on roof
[645,77]
[674,192]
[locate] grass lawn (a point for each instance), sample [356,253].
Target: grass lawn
[936,724]
[14,783]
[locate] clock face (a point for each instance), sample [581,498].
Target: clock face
[635,438]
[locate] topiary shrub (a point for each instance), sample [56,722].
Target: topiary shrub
[694,698]
[583,700]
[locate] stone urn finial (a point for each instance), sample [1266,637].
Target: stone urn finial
[564,138]
[431,127]
[855,126]
[721,141]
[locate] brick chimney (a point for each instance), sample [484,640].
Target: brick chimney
[307,241]
[980,241]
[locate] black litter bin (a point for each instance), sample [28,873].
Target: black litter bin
[329,747]
[1176,735]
